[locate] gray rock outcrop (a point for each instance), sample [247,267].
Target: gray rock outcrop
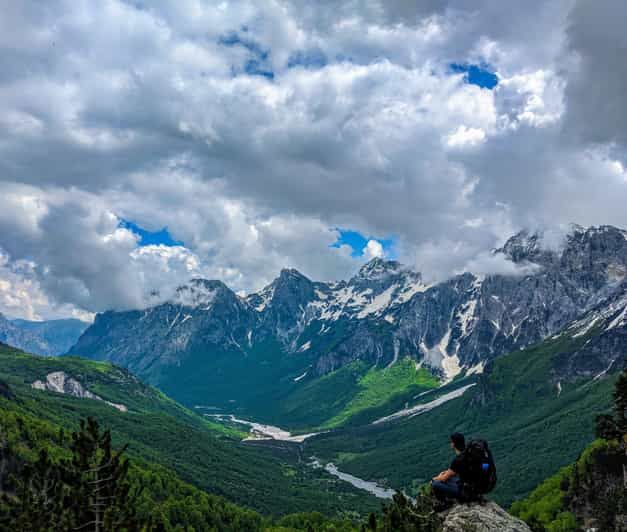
[487,517]
[60,382]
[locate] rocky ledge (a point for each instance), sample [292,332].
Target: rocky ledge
[485,517]
[60,382]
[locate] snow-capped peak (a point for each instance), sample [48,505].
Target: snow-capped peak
[377,268]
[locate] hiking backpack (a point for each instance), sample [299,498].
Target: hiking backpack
[480,477]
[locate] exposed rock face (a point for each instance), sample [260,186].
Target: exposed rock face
[603,352]
[60,382]
[488,517]
[384,313]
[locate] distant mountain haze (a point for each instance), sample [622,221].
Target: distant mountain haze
[47,338]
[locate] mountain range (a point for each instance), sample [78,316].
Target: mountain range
[270,353]
[47,338]
[381,368]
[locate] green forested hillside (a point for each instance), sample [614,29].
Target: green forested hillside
[589,493]
[163,434]
[534,427]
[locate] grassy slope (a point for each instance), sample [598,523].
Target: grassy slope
[352,395]
[165,433]
[382,386]
[532,431]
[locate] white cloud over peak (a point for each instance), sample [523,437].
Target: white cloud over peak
[373,249]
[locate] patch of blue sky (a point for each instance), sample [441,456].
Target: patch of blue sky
[479,75]
[312,59]
[255,66]
[148,238]
[357,241]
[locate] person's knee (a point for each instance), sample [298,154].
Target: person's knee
[436,485]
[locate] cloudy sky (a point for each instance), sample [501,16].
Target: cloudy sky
[146,142]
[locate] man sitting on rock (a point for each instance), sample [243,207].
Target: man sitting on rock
[447,485]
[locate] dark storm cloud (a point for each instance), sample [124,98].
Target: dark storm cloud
[595,95]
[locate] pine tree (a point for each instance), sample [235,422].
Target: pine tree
[38,504]
[620,404]
[99,492]
[614,427]
[88,492]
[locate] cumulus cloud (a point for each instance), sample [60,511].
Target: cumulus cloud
[250,129]
[373,249]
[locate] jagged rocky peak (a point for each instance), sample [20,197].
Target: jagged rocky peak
[377,268]
[524,246]
[546,247]
[292,289]
[202,293]
[290,277]
[386,278]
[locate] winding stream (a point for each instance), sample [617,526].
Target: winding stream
[260,431]
[371,487]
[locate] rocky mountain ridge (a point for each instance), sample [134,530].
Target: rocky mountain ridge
[47,338]
[384,313]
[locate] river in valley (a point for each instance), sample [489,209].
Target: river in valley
[261,431]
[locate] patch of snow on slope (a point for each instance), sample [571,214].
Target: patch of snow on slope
[389,318]
[466,316]
[300,377]
[450,364]
[426,407]
[378,303]
[411,291]
[586,327]
[598,376]
[396,351]
[476,369]
[265,299]
[619,321]
[342,298]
